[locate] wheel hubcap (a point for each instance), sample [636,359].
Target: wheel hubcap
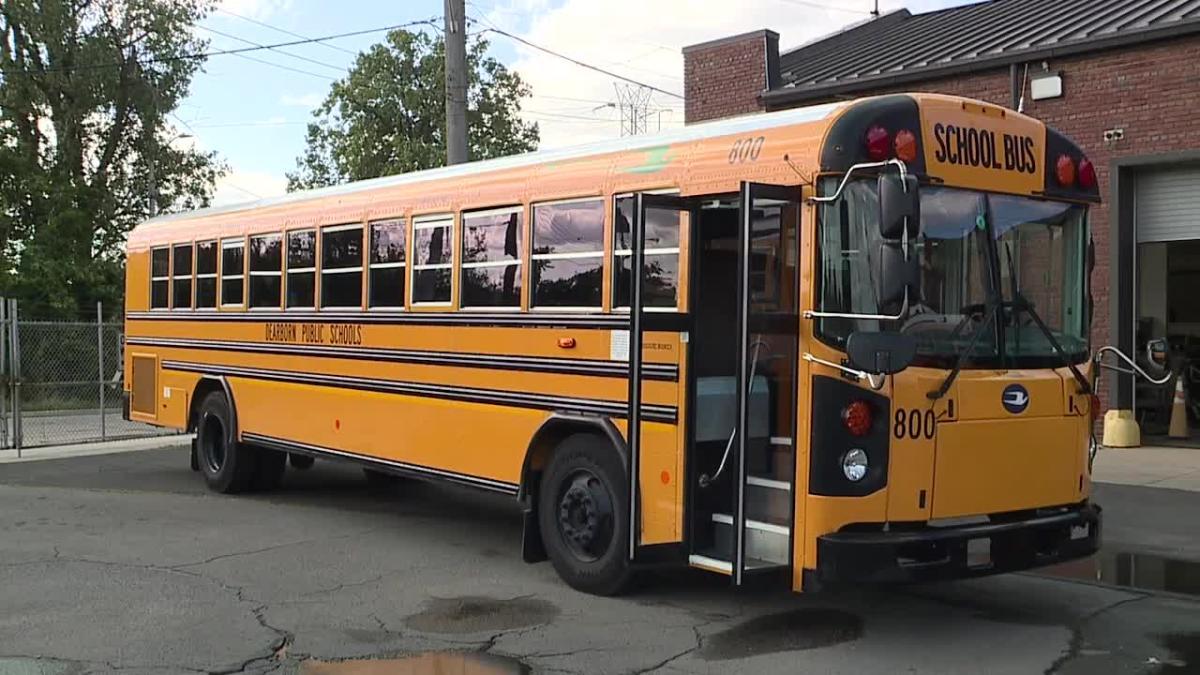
[585,516]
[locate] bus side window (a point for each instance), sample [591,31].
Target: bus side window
[266,270]
[160,277]
[233,272]
[385,278]
[181,276]
[341,266]
[301,269]
[660,267]
[433,264]
[568,254]
[206,275]
[491,258]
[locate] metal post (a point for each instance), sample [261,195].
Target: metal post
[4,372]
[15,341]
[100,359]
[456,81]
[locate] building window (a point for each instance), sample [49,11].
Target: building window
[181,276]
[266,270]
[660,266]
[302,269]
[491,258]
[385,280]
[160,278]
[341,266]
[433,266]
[568,254]
[233,272]
[206,275]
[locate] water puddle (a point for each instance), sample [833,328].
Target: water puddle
[1185,651]
[1133,570]
[433,663]
[785,632]
[473,614]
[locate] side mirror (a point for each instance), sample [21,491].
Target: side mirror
[884,353]
[899,206]
[895,276]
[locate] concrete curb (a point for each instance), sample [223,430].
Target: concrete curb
[91,449]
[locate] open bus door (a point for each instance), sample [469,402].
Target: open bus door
[644,204]
[767,343]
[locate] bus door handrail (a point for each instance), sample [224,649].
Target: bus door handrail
[1134,368]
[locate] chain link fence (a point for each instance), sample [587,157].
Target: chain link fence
[62,381]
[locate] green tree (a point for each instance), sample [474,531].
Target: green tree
[87,87]
[388,115]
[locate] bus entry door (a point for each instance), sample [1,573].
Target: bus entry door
[767,341]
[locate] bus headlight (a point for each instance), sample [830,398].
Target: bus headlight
[854,465]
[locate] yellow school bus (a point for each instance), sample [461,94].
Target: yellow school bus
[855,348]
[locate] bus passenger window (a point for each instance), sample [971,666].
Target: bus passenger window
[385,281]
[181,276]
[432,268]
[302,269]
[160,278]
[233,272]
[568,254]
[491,253]
[660,268]
[206,275]
[266,264]
[341,266]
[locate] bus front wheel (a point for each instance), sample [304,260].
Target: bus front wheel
[228,466]
[583,521]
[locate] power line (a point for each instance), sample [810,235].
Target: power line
[577,62]
[284,31]
[340,69]
[224,52]
[283,67]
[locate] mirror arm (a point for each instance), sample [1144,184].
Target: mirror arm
[1137,370]
[858,167]
[860,374]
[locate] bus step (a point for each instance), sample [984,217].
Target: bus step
[769,500]
[712,562]
[766,542]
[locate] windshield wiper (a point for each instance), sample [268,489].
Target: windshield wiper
[990,312]
[1021,304]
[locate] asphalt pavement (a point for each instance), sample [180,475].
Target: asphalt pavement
[126,564]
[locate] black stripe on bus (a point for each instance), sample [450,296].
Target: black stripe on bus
[417,470]
[652,412]
[657,371]
[664,321]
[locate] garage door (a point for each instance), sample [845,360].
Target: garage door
[1168,204]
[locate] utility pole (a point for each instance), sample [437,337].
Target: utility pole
[456,81]
[634,103]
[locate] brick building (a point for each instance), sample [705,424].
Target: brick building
[1120,77]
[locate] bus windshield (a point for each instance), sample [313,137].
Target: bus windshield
[976,250]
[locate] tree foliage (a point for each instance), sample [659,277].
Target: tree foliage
[388,115]
[87,87]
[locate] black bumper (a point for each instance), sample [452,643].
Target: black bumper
[933,553]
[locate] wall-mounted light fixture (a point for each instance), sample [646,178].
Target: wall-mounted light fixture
[1046,85]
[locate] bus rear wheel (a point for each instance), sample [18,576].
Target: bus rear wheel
[228,466]
[583,521]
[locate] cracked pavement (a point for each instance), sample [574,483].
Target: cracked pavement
[126,564]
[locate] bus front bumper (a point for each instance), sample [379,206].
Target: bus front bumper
[956,552]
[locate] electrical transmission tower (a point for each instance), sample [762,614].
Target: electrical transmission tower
[634,103]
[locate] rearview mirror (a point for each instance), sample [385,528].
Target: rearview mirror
[899,206]
[896,276]
[882,353]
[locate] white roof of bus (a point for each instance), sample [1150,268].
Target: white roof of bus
[693,132]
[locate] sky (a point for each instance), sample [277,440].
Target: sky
[252,109]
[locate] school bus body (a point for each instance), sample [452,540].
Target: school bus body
[481,396]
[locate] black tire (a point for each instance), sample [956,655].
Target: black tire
[228,466]
[582,517]
[269,469]
[301,462]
